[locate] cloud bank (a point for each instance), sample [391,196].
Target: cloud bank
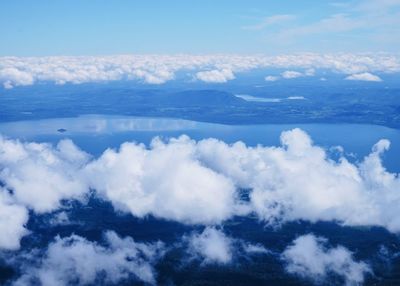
[200,182]
[159,69]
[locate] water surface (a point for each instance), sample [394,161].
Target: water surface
[95,133]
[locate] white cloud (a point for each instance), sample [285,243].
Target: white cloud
[12,222]
[12,76]
[198,182]
[75,260]
[291,74]
[271,78]
[296,98]
[374,6]
[296,74]
[366,76]
[312,258]
[255,249]
[270,21]
[40,175]
[166,181]
[332,24]
[299,181]
[215,76]
[158,69]
[212,246]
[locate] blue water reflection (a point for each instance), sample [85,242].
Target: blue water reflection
[95,133]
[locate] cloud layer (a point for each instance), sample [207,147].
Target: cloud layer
[158,69]
[200,182]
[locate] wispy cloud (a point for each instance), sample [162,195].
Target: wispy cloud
[367,20]
[270,21]
[332,24]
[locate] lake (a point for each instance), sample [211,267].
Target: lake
[95,133]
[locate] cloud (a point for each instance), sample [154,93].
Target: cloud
[212,246]
[311,257]
[13,76]
[364,77]
[270,21]
[296,98]
[253,249]
[373,21]
[271,78]
[291,74]
[332,24]
[159,69]
[76,260]
[39,175]
[200,182]
[298,181]
[166,181]
[374,6]
[215,76]
[13,219]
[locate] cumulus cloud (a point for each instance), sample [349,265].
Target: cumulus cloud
[366,76]
[39,175]
[215,76]
[76,260]
[200,182]
[158,69]
[311,257]
[212,246]
[299,181]
[166,181]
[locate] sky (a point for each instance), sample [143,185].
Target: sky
[100,27]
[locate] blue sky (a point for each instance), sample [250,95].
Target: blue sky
[46,27]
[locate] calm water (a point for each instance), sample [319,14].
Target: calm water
[95,133]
